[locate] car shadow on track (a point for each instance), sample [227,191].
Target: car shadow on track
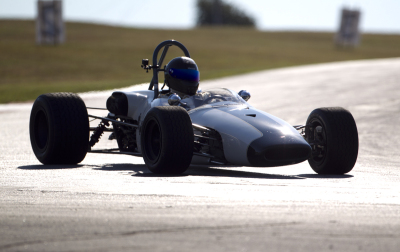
[49,167]
[215,172]
[140,170]
[122,167]
[319,176]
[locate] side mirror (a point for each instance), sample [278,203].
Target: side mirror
[174,100]
[244,94]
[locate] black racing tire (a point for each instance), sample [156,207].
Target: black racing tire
[167,140]
[59,128]
[333,136]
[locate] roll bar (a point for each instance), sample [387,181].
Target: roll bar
[157,66]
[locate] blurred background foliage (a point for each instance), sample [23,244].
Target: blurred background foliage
[96,57]
[217,13]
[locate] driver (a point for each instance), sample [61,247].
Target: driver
[182,76]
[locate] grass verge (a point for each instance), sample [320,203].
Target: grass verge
[97,57]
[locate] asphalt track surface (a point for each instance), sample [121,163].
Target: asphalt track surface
[113,203]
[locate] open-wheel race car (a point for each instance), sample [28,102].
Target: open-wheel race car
[174,127]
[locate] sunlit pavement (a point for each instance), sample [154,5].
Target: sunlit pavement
[113,203]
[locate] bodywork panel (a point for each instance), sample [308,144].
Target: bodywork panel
[250,137]
[236,133]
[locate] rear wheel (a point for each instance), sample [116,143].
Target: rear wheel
[332,134]
[167,140]
[59,128]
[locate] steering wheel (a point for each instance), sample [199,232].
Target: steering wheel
[219,97]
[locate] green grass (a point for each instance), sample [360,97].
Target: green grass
[97,57]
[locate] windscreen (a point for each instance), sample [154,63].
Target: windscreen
[217,96]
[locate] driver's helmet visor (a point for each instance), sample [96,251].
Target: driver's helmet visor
[185,74]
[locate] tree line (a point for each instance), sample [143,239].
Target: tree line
[218,13]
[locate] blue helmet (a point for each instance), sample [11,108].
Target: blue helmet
[182,75]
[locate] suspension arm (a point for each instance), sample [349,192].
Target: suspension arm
[114,121]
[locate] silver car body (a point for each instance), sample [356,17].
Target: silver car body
[250,137]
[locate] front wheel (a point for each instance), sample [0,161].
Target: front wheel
[332,134]
[167,140]
[59,128]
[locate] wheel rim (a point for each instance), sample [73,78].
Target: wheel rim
[319,141]
[41,130]
[152,141]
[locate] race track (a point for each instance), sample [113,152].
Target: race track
[113,203]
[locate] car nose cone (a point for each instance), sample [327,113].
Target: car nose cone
[283,150]
[280,144]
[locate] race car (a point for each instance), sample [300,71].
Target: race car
[181,125]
